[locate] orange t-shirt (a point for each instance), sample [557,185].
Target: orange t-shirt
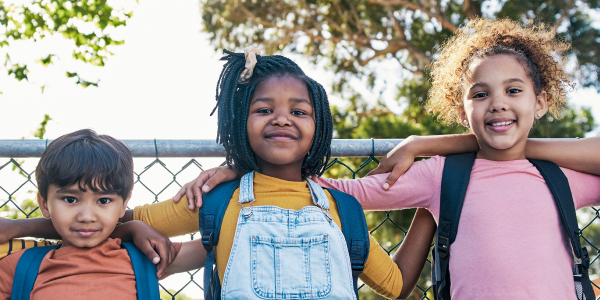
[101,272]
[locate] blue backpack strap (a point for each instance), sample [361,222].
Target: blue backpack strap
[559,186]
[211,215]
[27,271]
[144,270]
[356,233]
[455,180]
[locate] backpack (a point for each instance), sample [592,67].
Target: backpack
[455,180]
[354,229]
[28,267]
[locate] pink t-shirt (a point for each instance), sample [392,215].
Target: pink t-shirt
[510,242]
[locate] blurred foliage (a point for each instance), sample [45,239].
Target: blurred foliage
[37,19]
[28,208]
[164,295]
[360,41]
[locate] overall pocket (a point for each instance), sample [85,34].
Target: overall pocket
[291,268]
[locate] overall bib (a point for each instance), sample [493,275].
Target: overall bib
[287,254]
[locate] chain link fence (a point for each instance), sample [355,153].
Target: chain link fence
[162,167]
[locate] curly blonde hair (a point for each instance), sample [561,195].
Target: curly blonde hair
[535,47]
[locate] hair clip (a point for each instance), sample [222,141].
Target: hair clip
[250,53]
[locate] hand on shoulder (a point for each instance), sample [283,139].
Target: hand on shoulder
[205,182]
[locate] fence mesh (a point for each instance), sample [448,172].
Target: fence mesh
[160,178]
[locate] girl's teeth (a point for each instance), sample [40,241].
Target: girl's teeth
[502,123]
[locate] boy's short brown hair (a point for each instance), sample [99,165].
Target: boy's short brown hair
[97,162]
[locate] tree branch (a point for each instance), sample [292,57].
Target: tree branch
[471,9]
[394,45]
[445,22]
[397,27]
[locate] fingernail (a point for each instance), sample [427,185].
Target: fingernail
[205,188]
[156,260]
[386,186]
[190,207]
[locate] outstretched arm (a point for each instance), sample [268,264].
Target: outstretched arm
[33,227]
[192,255]
[413,252]
[399,160]
[581,155]
[155,246]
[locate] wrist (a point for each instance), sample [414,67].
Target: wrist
[125,231]
[413,146]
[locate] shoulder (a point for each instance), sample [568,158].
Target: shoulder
[8,266]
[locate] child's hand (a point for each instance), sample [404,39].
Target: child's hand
[207,180]
[149,241]
[397,162]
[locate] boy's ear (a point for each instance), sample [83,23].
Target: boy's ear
[541,105]
[43,204]
[124,207]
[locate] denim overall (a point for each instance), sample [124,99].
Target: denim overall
[287,254]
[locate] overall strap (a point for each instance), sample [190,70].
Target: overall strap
[146,282]
[27,271]
[318,195]
[356,233]
[559,187]
[455,180]
[211,215]
[247,189]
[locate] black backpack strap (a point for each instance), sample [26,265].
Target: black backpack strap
[146,282]
[559,187]
[27,271]
[356,233]
[211,215]
[455,180]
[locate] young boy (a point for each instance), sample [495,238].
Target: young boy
[84,181]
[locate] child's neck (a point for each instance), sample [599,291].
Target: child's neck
[291,172]
[517,152]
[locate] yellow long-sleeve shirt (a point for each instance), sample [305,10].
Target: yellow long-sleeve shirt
[173,219]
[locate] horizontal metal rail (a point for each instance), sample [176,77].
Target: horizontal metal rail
[199,148]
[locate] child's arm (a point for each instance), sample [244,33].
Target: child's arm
[144,237]
[581,155]
[412,254]
[33,227]
[192,255]
[401,158]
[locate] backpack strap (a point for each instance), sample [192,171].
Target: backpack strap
[455,180]
[144,270]
[356,233]
[560,189]
[27,271]
[211,215]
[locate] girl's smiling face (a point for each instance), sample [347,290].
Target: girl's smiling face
[500,106]
[281,126]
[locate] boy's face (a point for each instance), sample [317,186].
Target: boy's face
[83,218]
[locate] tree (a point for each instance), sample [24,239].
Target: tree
[85,23]
[359,41]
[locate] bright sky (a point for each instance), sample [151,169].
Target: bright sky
[160,84]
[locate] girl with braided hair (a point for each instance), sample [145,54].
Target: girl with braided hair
[280,233]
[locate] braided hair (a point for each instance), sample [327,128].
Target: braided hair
[233,102]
